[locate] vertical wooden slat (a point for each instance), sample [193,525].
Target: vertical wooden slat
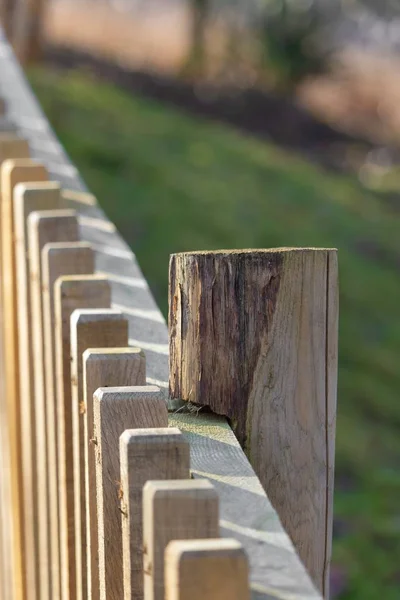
[213,569]
[43,227]
[117,409]
[27,199]
[89,329]
[57,260]
[70,293]
[102,368]
[12,173]
[145,454]
[174,510]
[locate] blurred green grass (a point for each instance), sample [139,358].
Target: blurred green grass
[172,182]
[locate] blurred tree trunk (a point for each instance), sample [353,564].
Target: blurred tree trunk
[199,13]
[7,8]
[28,30]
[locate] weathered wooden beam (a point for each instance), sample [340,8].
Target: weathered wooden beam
[174,510]
[70,293]
[27,199]
[145,454]
[12,173]
[117,409]
[254,336]
[89,329]
[102,368]
[213,569]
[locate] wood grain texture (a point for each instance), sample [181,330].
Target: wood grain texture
[12,173]
[249,334]
[43,227]
[145,454]
[89,329]
[58,260]
[27,199]
[70,293]
[11,146]
[115,410]
[213,569]
[102,368]
[174,510]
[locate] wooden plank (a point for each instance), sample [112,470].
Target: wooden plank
[102,368]
[70,293]
[27,199]
[117,409]
[11,146]
[174,510]
[212,569]
[145,454]
[89,329]
[262,316]
[43,227]
[12,173]
[58,260]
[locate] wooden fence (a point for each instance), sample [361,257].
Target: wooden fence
[109,489]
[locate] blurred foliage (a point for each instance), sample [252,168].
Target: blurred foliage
[290,34]
[197,53]
[172,183]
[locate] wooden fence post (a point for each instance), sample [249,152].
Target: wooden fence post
[174,510]
[27,199]
[58,259]
[261,329]
[145,454]
[70,293]
[213,569]
[102,368]
[117,409]
[12,173]
[89,329]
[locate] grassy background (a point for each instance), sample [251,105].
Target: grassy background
[172,182]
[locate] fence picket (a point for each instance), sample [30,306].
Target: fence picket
[58,259]
[145,454]
[27,199]
[174,510]
[117,409]
[12,173]
[89,329]
[102,368]
[213,569]
[70,293]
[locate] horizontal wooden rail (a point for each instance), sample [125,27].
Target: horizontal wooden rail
[234,492]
